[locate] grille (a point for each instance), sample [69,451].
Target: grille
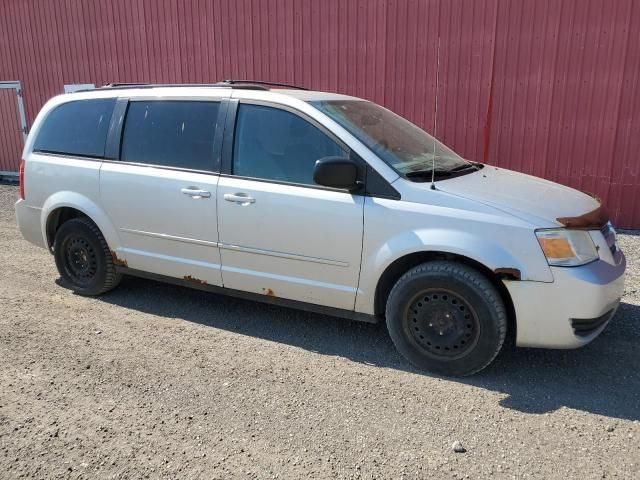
[583,327]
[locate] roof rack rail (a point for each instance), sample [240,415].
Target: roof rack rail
[112,85]
[245,83]
[239,84]
[115,86]
[120,86]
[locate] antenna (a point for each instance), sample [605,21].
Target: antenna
[435,119]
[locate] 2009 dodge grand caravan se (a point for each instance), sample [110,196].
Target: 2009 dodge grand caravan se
[319,201]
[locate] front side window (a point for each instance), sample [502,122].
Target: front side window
[76,128]
[403,145]
[275,144]
[170,133]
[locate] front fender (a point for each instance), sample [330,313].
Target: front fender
[488,253]
[506,252]
[86,206]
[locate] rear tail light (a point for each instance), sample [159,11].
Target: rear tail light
[22,179]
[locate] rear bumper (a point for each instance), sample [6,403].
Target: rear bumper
[28,218]
[572,310]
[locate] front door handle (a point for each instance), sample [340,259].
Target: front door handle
[241,198]
[195,192]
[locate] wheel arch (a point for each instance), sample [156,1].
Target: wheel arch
[55,220]
[403,264]
[64,206]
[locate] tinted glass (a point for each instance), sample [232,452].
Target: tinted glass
[76,128]
[278,145]
[403,145]
[170,133]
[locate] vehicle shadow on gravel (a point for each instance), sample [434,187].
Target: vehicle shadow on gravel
[601,378]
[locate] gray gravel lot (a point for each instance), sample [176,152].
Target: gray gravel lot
[161,381]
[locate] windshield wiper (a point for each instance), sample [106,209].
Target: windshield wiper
[466,166]
[427,172]
[442,172]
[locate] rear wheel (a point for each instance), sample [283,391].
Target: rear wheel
[83,258]
[447,318]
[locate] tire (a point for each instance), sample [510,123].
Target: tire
[83,258]
[446,318]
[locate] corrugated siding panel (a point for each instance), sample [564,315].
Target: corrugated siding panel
[10,135]
[548,87]
[563,100]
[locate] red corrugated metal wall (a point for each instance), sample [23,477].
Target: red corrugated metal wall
[548,87]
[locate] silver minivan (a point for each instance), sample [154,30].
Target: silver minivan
[318,201]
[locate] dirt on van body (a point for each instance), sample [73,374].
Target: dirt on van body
[153,380]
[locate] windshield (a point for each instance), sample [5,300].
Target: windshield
[400,143]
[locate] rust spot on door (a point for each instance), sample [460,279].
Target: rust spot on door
[118,261]
[268,292]
[508,273]
[195,280]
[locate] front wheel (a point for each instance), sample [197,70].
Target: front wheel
[83,258]
[447,318]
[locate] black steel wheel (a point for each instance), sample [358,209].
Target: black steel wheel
[447,318]
[442,323]
[80,259]
[83,258]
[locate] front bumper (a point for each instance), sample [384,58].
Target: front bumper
[572,310]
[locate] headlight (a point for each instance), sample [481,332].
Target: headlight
[567,248]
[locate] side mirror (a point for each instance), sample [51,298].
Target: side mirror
[336,172]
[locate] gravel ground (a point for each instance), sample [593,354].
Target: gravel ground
[159,381]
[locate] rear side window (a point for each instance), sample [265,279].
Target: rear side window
[170,133]
[76,128]
[274,144]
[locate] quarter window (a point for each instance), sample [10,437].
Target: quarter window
[76,128]
[170,133]
[275,144]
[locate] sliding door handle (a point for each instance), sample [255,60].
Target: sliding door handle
[195,192]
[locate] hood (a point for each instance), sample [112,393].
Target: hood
[532,199]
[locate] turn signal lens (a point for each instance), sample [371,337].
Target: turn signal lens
[567,248]
[556,247]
